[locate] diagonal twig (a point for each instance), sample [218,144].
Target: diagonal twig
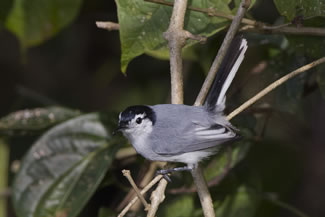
[144,190]
[127,174]
[274,85]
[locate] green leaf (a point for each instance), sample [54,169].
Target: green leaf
[180,207]
[241,203]
[64,167]
[291,8]
[30,121]
[34,21]
[142,25]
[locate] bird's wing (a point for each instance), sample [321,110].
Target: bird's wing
[195,138]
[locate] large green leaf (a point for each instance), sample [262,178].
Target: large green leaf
[64,167]
[142,25]
[34,21]
[291,8]
[30,121]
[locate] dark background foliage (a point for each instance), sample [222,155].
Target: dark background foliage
[79,68]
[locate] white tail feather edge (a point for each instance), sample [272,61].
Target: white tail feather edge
[221,100]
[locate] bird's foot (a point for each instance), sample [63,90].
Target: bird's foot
[165,172]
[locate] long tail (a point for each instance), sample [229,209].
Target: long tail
[227,71]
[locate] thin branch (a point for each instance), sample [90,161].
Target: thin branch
[210,11]
[176,38]
[312,31]
[274,85]
[144,190]
[222,52]
[149,174]
[110,26]
[253,25]
[203,191]
[127,174]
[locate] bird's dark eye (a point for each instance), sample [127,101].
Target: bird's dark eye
[138,120]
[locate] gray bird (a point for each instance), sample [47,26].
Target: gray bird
[182,133]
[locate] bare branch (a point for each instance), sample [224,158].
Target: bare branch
[110,26]
[273,86]
[157,197]
[313,31]
[149,174]
[176,38]
[127,174]
[203,191]
[144,190]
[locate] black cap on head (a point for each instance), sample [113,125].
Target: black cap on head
[130,112]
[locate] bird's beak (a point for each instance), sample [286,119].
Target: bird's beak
[120,127]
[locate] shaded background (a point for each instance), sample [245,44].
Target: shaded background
[80,68]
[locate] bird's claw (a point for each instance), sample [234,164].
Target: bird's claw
[164,173]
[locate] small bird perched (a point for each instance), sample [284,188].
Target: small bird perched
[182,133]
